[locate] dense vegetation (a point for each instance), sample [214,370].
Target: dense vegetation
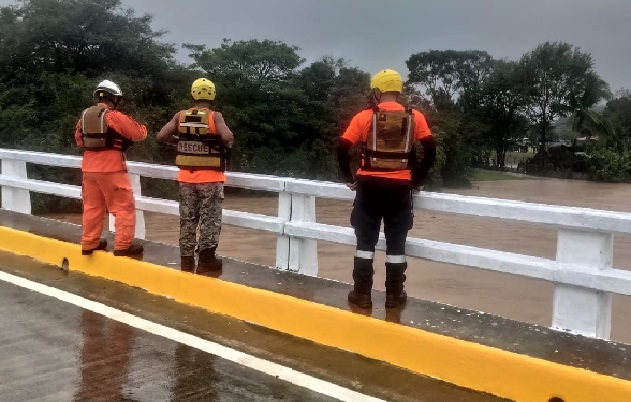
[286,114]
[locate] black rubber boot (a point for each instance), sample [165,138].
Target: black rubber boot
[395,277]
[134,249]
[187,263]
[102,246]
[362,276]
[208,261]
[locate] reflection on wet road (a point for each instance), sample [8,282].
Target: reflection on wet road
[105,357]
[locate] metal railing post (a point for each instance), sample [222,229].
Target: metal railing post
[283,241]
[303,253]
[581,309]
[141,230]
[15,199]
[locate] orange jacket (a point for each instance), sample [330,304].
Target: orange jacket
[111,161]
[360,125]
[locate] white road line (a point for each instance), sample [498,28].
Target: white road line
[265,366]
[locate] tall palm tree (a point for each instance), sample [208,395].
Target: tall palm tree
[584,120]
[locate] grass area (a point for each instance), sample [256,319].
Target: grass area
[513,158]
[492,175]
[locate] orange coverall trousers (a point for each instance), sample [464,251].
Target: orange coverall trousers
[103,192]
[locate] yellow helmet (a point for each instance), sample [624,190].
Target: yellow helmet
[203,88]
[387,81]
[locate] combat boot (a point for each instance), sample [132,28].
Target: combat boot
[187,263]
[362,277]
[102,246]
[395,277]
[208,261]
[134,249]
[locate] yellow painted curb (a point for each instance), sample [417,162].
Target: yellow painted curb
[466,364]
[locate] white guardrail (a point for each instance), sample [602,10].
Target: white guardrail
[582,272]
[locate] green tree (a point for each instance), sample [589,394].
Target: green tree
[52,55]
[503,99]
[255,92]
[286,119]
[608,165]
[618,111]
[80,36]
[584,120]
[441,74]
[336,92]
[448,85]
[558,77]
[434,72]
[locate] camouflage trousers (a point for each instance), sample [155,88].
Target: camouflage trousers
[200,205]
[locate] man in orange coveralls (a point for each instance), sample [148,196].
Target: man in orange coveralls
[105,134]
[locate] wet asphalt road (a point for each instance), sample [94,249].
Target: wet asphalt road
[54,351]
[51,350]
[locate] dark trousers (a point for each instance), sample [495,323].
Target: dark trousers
[377,200]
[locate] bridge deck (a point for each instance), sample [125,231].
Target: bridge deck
[604,357]
[468,348]
[53,350]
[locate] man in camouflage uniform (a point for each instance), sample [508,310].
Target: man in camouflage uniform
[203,146]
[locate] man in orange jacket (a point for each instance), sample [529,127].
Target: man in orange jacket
[203,143]
[384,183]
[105,134]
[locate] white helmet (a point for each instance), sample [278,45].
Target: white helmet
[109,87]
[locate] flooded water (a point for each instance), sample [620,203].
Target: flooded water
[510,296]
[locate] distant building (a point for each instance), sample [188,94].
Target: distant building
[560,143]
[523,145]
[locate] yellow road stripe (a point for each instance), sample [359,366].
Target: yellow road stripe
[467,364]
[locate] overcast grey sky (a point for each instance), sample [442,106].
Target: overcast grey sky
[380,34]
